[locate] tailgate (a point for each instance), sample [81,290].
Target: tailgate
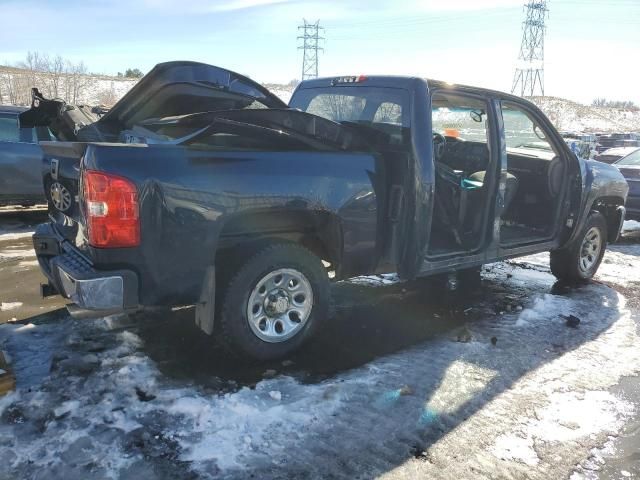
[61,176]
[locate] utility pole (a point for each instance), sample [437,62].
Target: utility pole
[310,37]
[529,75]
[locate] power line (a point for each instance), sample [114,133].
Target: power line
[530,75]
[310,38]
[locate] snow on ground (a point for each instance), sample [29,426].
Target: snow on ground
[92,403]
[5,306]
[13,253]
[631,226]
[14,236]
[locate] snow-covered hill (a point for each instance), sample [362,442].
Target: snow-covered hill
[568,115]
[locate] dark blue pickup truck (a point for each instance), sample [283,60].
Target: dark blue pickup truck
[200,187]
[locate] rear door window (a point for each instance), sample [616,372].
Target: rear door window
[380,114]
[9,131]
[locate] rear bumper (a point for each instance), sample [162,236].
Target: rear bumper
[74,277]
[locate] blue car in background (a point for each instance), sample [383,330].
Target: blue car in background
[629,166]
[20,159]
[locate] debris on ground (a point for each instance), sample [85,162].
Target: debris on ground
[271,373]
[464,335]
[406,390]
[144,396]
[571,320]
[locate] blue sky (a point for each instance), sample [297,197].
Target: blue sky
[592,46]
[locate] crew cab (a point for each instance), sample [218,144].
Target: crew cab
[200,187]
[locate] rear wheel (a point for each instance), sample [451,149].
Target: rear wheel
[580,261]
[274,302]
[59,194]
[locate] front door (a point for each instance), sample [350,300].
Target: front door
[466,167]
[536,174]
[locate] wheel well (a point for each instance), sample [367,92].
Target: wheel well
[320,232]
[609,208]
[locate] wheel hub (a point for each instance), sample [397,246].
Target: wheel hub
[276,303]
[279,305]
[60,196]
[590,249]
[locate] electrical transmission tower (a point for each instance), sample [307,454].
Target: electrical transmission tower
[529,76]
[310,37]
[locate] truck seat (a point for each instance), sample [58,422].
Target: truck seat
[511,186]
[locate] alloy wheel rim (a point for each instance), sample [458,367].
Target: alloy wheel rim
[279,305]
[590,249]
[60,196]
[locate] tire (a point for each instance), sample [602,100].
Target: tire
[569,264]
[273,303]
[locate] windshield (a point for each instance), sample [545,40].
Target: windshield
[631,159]
[382,114]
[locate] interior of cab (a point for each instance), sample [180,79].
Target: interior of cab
[465,173]
[531,213]
[467,176]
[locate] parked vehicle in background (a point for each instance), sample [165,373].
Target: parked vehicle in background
[614,154]
[617,140]
[200,187]
[582,144]
[629,166]
[20,159]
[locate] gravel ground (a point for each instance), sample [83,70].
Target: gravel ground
[403,382]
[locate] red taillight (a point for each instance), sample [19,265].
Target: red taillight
[111,210]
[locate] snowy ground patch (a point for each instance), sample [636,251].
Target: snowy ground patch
[6,306]
[631,226]
[92,403]
[6,237]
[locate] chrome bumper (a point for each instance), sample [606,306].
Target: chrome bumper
[101,293]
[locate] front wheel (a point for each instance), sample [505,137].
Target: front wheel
[274,302]
[580,261]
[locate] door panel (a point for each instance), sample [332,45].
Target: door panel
[20,170]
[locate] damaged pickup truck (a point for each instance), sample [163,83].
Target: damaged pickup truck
[200,187]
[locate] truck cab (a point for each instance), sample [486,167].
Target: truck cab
[471,175]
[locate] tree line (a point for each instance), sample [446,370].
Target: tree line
[622,104]
[55,77]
